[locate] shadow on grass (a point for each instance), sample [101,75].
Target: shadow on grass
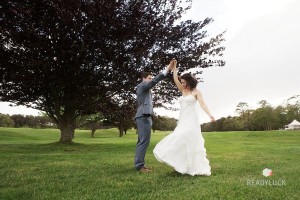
[175,174]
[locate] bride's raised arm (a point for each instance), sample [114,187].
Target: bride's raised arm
[175,77]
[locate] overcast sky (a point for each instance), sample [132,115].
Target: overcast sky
[262,55]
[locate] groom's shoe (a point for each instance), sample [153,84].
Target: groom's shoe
[150,168]
[145,170]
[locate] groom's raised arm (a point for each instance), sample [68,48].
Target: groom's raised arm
[150,84]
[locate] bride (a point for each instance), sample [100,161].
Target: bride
[184,148]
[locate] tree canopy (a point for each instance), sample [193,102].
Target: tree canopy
[77,57]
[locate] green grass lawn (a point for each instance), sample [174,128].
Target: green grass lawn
[34,166]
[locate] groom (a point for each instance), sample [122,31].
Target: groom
[143,115]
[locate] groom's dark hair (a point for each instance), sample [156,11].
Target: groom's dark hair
[145,74]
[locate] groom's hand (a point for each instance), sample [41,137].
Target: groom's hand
[175,64]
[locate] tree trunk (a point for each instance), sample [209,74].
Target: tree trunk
[120,131]
[93,132]
[67,133]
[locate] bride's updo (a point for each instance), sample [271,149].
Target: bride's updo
[190,80]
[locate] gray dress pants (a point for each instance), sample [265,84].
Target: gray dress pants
[144,125]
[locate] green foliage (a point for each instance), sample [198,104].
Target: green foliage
[34,166]
[6,121]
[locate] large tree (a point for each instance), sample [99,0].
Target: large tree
[77,57]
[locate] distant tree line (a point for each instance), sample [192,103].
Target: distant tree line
[25,121]
[162,123]
[123,121]
[265,117]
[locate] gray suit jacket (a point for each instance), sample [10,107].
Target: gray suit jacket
[144,96]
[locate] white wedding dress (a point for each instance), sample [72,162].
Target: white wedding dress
[184,148]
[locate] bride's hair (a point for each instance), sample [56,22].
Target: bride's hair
[190,80]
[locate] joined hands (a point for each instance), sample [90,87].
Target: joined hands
[172,65]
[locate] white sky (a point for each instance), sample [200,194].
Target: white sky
[262,55]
